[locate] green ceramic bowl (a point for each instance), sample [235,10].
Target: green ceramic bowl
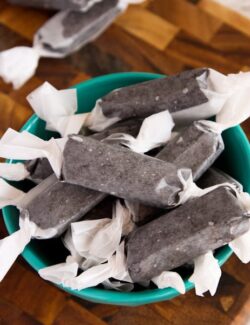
[235,161]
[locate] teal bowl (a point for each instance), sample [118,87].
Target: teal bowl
[235,160]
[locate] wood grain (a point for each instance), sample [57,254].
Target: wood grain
[160,36]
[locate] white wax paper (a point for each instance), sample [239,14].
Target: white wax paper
[57,108]
[206,274]
[169,279]
[25,146]
[13,172]
[13,245]
[154,132]
[97,240]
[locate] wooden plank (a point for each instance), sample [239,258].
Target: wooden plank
[13,114]
[187,16]
[195,54]
[135,54]
[24,21]
[73,314]
[226,15]
[148,27]
[24,289]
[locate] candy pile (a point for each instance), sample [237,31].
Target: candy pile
[118,185]
[76,24]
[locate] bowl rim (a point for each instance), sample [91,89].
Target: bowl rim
[99,295]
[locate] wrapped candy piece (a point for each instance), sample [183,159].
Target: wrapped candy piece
[46,211]
[195,147]
[61,35]
[214,176]
[65,203]
[191,95]
[58,107]
[202,224]
[82,5]
[120,172]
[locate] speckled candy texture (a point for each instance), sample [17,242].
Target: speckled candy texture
[55,204]
[195,147]
[191,230]
[173,93]
[120,172]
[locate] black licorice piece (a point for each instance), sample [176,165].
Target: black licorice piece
[195,147]
[214,176]
[192,229]
[39,169]
[173,93]
[57,4]
[120,172]
[55,204]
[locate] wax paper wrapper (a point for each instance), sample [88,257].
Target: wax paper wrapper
[97,240]
[115,268]
[61,35]
[57,108]
[25,146]
[155,131]
[13,172]
[191,95]
[241,245]
[206,274]
[170,279]
[13,245]
[81,5]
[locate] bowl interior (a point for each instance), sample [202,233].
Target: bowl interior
[235,160]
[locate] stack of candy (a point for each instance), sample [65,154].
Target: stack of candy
[118,185]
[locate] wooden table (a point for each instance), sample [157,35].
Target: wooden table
[163,36]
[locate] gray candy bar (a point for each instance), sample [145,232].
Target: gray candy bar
[185,233]
[214,176]
[195,147]
[55,204]
[120,172]
[173,93]
[82,5]
[74,29]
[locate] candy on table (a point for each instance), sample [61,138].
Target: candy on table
[191,95]
[191,230]
[63,34]
[82,5]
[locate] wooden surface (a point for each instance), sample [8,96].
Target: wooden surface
[163,36]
